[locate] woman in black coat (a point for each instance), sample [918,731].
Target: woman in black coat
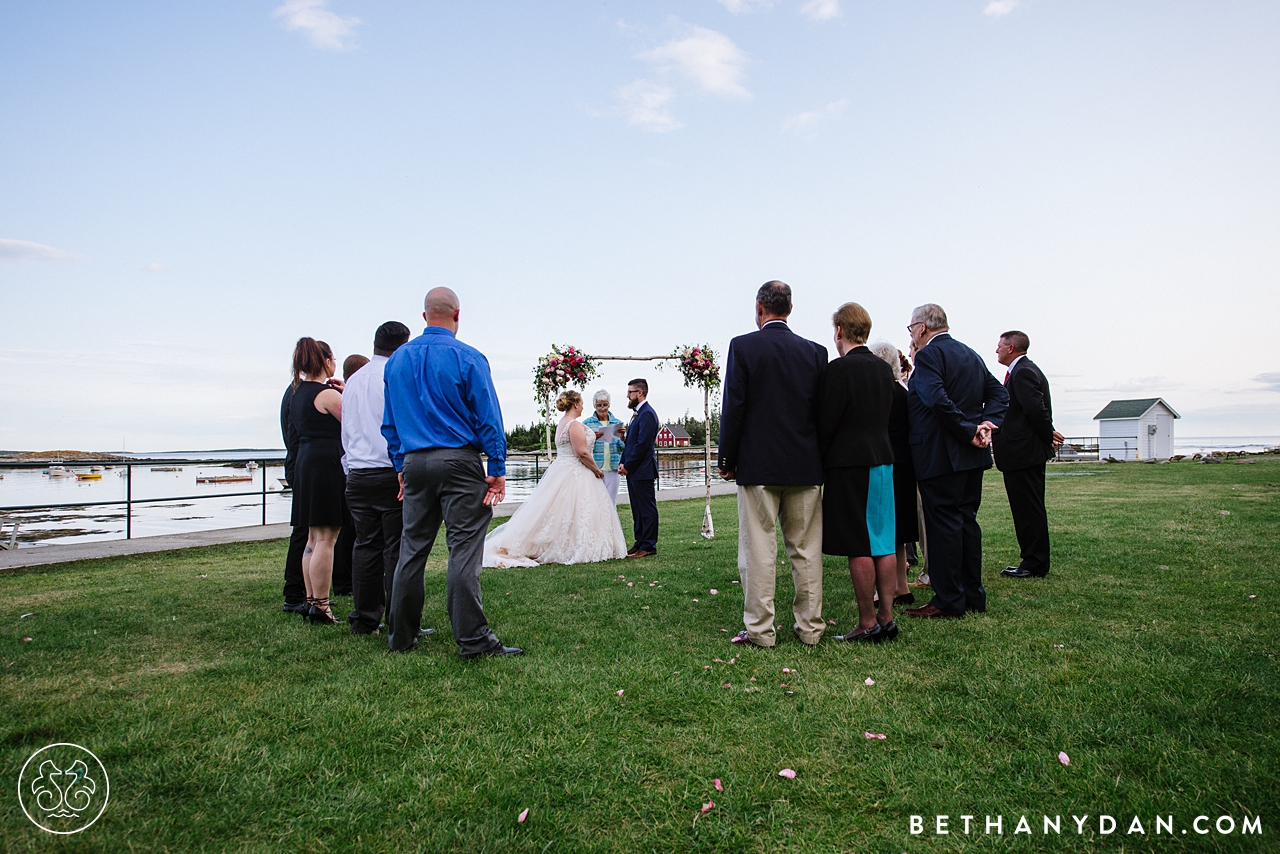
[858,511]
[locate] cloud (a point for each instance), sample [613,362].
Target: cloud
[1000,8]
[1135,388]
[647,105]
[821,10]
[1271,381]
[153,267]
[13,251]
[806,124]
[322,28]
[707,59]
[737,7]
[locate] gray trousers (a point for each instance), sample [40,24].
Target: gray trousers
[442,484]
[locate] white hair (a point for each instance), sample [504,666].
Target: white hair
[889,354]
[932,315]
[601,395]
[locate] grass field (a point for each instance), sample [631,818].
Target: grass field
[228,726]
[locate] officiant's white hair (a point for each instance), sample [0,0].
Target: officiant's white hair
[601,395]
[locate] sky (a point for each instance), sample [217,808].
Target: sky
[186,189]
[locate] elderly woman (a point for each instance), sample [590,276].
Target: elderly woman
[607,454]
[904,472]
[857,461]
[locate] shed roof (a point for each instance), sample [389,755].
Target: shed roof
[1117,409]
[677,431]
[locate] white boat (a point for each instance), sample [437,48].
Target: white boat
[59,471]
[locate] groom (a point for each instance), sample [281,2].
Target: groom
[640,467]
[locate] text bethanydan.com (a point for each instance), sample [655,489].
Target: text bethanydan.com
[1103,825]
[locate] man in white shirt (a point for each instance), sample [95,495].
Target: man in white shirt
[373,489]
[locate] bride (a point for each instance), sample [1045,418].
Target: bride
[570,517]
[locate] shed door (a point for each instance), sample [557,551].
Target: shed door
[1164,435]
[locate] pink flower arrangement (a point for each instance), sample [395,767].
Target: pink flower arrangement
[698,366]
[563,367]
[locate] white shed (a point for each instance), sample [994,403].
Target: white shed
[1136,429]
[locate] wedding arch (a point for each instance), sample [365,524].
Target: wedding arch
[566,366]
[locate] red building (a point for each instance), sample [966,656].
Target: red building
[672,436]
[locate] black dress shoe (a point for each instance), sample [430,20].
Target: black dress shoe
[1019,572]
[410,648]
[497,651]
[296,608]
[888,631]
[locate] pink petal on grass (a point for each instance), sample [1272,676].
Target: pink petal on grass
[715,592]
[725,630]
[651,583]
[1253,595]
[716,783]
[26,640]
[695,600]
[727,685]
[706,667]
[869,682]
[717,661]
[874,734]
[786,670]
[708,806]
[620,692]
[831,622]
[788,773]
[523,815]
[736,582]
[631,584]
[1057,646]
[1063,757]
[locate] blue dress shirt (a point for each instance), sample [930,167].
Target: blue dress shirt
[439,394]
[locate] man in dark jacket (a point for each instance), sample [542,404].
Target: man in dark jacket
[640,467]
[953,405]
[1023,443]
[769,445]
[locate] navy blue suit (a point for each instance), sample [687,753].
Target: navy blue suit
[640,458]
[950,393]
[769,409]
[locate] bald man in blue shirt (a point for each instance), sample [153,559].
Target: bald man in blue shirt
[441,413]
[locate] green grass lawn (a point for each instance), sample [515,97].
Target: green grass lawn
[228,726]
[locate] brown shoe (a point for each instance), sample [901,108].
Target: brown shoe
[929,612]
[641,553]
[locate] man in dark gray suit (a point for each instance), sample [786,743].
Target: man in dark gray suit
[769,445]
[1022,445]
[953,405]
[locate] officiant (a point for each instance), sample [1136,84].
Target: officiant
[610,435]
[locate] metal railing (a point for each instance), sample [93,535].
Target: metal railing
[129,501]
[1098,448]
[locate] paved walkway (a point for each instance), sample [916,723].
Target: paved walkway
[45,555]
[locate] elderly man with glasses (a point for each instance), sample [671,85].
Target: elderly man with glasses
[609,446]
[953,406]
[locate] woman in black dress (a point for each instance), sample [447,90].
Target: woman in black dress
[316,412]
[904,472]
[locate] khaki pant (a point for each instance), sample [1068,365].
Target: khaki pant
[799,508]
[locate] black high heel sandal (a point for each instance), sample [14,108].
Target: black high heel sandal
[320,612]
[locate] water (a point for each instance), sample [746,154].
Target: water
[218,505]
[1189,445]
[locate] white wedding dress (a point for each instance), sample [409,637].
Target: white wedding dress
[569,518]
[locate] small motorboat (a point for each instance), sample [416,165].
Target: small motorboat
[59,471]
[88,475]
[224,478]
